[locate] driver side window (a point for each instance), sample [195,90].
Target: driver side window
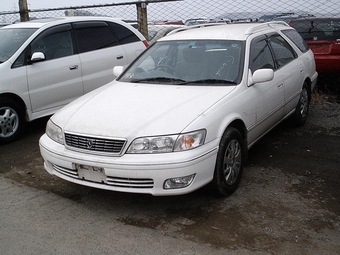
[260,55]
[54,45]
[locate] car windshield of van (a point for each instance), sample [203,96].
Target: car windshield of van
[199,62]
[11,39]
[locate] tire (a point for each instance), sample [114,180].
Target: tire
[229,163]
[12,120]
[301,111]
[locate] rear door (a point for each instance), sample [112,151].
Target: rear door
[99,51]
[290,68]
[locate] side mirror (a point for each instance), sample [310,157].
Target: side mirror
[260,75]
[37,56]
[117,70]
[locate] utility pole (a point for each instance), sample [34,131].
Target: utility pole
[23,10]
[142,19]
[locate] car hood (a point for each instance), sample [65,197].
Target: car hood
[124,110]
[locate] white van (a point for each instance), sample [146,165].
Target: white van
[45,64]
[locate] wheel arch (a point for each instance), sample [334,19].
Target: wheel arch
[309,87]
[18,100]
[241,127]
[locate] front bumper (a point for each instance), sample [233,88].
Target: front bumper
[134,173]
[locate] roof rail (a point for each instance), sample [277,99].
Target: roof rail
[271,24]
[194,27]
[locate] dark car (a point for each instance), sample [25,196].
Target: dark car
[323,37]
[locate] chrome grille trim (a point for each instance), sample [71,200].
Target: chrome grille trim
[118,182]
[65,171]
[94,144]
[130,183]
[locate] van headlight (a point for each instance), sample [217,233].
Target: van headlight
[54,132]
[170,143]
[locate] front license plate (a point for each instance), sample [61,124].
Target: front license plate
[91,173]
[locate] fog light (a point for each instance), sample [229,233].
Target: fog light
[179,182]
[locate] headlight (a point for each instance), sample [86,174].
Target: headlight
[159,144]
[54,132]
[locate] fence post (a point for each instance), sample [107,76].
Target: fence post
[142,19]
[23,10]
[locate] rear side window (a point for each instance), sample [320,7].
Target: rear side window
[296,38]
[124,34]
[93,36]
[283,52]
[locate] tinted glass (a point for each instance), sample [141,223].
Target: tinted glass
[283,52]
[11,40]
[124,34]
[318,29]
[206,63]
[54,45]
[296,38]
[260,56]
[93,36]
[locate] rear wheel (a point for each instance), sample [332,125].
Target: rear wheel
[301,112]
[12,120]
[229,162]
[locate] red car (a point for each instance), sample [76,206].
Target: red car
[323,37]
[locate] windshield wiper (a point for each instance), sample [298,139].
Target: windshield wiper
[159,79]
[210,81]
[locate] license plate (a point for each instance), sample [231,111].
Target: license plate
[91,173]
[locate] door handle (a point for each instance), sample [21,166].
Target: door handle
[120,57]
[73,67]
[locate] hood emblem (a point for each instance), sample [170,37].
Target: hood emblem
[90,144]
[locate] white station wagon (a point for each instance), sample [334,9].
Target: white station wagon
[185,113]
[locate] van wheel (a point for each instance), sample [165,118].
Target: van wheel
[12,120]
[301,112]
[229,162]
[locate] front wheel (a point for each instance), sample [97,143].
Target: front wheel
[12,120]
[301,112]
[229,162]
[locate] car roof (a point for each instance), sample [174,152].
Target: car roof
[224,31]
[38,23]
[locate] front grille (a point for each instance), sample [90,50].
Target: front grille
[95,144]
[119,182]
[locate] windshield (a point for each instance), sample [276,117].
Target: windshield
[12,39]
[216,62]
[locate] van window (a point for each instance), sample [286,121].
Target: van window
[54,43]
[93,36]
[124,34]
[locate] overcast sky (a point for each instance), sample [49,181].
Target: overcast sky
[13,5]
[195,8]
[331,5]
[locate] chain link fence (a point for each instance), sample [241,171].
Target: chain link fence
[190,12]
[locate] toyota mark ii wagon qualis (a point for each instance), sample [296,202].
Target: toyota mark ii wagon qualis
[185,113]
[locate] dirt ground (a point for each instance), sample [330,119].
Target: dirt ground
[287,202]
